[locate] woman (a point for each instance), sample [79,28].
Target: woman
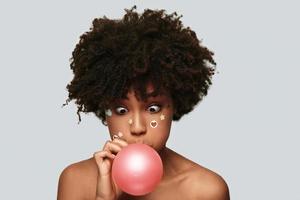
[137,75]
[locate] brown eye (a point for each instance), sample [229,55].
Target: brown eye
[121,110]
[154,108]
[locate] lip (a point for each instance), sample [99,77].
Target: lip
[140,142]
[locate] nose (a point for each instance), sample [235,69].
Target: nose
[138,127]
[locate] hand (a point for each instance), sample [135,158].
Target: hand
[106,187]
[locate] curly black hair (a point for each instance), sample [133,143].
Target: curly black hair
[117,54]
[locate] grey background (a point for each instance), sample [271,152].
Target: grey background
[246,129]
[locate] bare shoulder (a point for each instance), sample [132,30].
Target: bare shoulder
[206,184]
[198,182]
[77,180]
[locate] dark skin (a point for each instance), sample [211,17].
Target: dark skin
[182,179]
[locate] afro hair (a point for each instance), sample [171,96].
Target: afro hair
[117,54]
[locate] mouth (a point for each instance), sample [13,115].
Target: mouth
[138,142]
[141,142]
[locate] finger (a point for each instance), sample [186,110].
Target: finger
[117,135]
[121,142]
[113,147]
[101,155]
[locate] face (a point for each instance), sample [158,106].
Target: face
[141,122]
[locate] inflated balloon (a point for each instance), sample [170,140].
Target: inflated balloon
[137,169]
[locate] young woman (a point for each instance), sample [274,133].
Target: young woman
[138,74]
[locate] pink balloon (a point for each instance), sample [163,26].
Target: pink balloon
[137,169]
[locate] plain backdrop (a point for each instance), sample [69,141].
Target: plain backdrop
[246,129]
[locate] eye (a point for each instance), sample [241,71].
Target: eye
[154,108]
[121,110]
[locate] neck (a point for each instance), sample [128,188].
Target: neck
[169,166]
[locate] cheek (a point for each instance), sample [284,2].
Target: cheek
[158,136]
[116,125]
[161,121]
[159,128]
